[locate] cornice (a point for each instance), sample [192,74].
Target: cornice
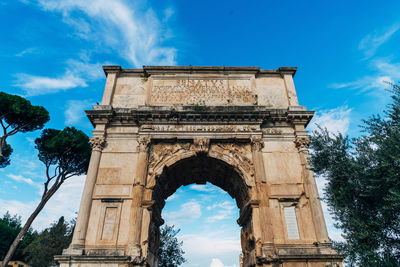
[147,71]
[197,115]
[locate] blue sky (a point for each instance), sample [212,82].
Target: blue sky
[52,52]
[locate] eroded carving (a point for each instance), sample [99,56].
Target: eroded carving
[302,142]
[161,152]
[144,143]
[191,91]
[239,152]
[97,143]
[201,145]
[257,143]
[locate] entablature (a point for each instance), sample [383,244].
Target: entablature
[197,115]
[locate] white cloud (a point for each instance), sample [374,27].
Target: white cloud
[20,178]
[188,212]
[334,233]
[218,263]
[370,43]
[210,244]
[77,74]
[131,30]
[226,210]
[335,120]
[39,85]
[203,187]
[70,192]
[74,112]
[88,71]
[384,72]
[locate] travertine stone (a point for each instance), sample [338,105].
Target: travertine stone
[239,128]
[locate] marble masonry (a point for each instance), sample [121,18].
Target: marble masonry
[161,127]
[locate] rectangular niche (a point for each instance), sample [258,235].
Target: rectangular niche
[291,222]
[109,221]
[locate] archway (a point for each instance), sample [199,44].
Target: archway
[197,167]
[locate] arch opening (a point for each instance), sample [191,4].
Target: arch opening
[200,169]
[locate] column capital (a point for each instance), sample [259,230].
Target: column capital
[302,142]
[97,143]
[143,143]
[257,143]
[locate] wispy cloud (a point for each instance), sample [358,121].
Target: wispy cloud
[335,120]
[385,71]
[225,210]
[20,178]
[74,112]
[70,192]
[188,212]
[370,43]
[77,74]
[39,85]
[203,188]
[31,50]
[130,29]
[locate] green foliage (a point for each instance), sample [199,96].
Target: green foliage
[363,189]
[170,253]
[18,115]
[68,151]
[47,244]
[6,152]
[9,228]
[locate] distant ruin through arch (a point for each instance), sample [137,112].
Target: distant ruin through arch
[239,128]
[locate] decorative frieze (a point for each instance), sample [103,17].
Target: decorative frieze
[198,128]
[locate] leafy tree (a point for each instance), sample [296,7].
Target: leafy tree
[50,242]
[170,253]
[363,189]
[18,115]
[6,151]
[9,228]
[65,153]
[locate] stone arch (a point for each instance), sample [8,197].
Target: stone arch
[236,154]
[226,165]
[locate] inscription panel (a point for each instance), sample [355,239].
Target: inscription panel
[216,91]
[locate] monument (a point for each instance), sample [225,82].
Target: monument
[239,128]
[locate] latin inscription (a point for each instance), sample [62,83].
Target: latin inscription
[202,91]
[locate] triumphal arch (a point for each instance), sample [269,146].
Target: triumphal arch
[239,128]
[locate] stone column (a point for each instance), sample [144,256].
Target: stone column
[78,239]
[263,210]
[312,190]
[134,247]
